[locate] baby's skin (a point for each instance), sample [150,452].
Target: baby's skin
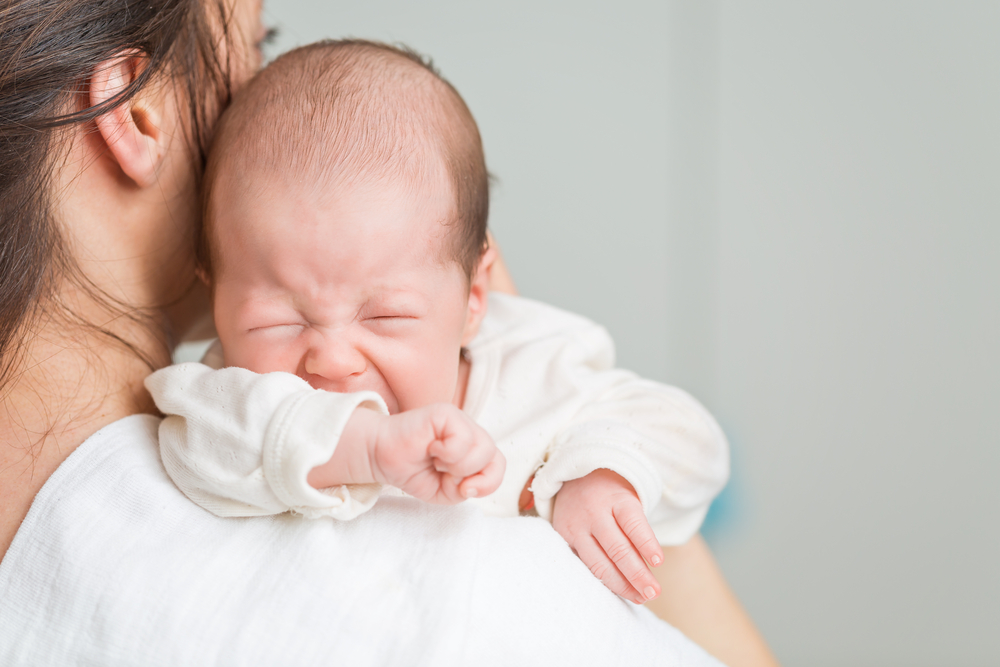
[352,284]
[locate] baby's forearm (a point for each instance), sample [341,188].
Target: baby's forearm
[351,462]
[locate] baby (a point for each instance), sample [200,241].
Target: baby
[345,246]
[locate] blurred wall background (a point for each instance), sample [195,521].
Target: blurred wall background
[792,210]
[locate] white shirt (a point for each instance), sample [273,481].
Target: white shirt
[542,383]
[113,566]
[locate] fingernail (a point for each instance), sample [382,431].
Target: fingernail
[471,493]
[650,593]
[655,560]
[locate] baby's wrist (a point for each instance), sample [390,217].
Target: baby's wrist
[351,462]
[363,431]
[604,478]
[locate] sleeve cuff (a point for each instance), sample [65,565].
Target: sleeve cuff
[577,461]
[304,434]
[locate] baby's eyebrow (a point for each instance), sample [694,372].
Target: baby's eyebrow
[272,299]
[266,300]
[397,299]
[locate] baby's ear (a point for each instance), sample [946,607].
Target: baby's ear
[479,290]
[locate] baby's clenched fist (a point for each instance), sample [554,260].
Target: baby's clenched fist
[436,453]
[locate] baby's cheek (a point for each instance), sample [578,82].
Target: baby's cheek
[264,356]
[430,378]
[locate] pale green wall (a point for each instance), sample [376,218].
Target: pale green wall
[858,354]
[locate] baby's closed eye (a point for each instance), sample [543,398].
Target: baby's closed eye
[391,309]
[387,313]
[284,329]
[389,320]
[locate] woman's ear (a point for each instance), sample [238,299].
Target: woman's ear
[479,290]
[203,276]
[131,130]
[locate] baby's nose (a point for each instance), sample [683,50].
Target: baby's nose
[335,360]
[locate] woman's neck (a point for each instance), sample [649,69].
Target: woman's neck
[72,382]
[131,244]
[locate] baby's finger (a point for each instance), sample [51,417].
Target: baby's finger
[626,559]
[465,454]
[452,443]
[634,524]
[485,481]
[430,487]
[448,491]
[594,557]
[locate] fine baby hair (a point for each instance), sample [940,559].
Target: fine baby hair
[352,113]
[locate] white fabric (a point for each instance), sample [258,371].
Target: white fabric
[542,383]
[114,566]
[241,444]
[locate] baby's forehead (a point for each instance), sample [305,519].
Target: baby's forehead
[257,210]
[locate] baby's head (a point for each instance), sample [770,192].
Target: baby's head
[345,224]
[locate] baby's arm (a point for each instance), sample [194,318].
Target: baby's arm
[670,457]
[671,460]
[244,444]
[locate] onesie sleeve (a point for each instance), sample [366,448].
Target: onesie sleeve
[240,443]
[657,437]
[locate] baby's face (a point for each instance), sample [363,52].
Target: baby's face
[355,292]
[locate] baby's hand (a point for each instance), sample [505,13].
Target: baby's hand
[601,518]
[437,454]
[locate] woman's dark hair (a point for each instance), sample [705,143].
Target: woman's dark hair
[48,51]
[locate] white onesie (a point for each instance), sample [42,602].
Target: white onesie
[542,384]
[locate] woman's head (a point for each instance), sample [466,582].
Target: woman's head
[51,53]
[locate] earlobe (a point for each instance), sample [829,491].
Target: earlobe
[202,275]
[479,290]
[131,130]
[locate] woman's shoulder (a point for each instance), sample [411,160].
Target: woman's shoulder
[124,449]
[111,543]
